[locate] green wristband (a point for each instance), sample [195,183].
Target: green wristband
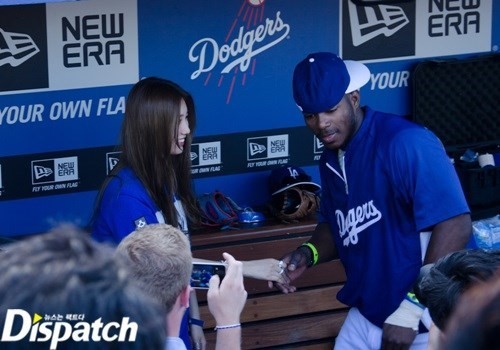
[412,298]
[315,255]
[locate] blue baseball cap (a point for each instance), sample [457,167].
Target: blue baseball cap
[288,176]
[323,78]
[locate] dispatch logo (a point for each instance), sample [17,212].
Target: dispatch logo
[275,146]
[251,34]
[54,329]
[112,158]
[207,153]
[16,48]
[54,170]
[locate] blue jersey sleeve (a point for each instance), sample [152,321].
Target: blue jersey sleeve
[124,214]
[124,206]
[425,178]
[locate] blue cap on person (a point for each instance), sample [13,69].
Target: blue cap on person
[323,78]
[289,176]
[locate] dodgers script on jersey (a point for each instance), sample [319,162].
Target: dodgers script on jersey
[397,181]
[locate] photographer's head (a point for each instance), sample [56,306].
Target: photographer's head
[475,322]
[450,277]
[65,280]
[160,260]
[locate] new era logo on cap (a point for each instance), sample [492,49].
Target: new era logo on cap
[289,176]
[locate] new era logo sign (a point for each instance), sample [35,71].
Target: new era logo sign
[256,148]
[275,146]
[207,153]
[318,145]
[112,158]
[377,30]
[16,48]
[54,170]
[41,171]
[367,22]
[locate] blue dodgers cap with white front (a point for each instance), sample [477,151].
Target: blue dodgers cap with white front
[319,82]
[323,78]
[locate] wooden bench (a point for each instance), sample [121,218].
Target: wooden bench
[307,319]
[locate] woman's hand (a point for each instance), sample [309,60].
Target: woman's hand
[266,269]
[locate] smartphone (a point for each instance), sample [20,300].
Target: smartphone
[202,272]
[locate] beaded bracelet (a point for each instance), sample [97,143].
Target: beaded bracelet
[236,325]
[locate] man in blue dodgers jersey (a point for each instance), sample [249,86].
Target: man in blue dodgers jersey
[385,181]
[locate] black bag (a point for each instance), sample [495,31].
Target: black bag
[459,100]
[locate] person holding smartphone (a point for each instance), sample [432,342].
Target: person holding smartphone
[160,260]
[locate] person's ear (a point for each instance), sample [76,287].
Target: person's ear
[184,296]
[355,99]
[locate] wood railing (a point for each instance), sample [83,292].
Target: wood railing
[308,319]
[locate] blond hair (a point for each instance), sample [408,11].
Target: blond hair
[160,260]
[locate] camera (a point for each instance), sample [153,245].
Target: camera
[202,272]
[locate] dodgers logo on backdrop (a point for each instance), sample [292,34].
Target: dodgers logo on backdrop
[23,48]
[251,34]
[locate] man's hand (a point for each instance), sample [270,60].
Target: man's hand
[401,327]
[296,264]
[396,337]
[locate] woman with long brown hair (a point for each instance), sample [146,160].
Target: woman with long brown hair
[152,181]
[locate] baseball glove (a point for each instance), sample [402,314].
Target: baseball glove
[293,204]
[218,210]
